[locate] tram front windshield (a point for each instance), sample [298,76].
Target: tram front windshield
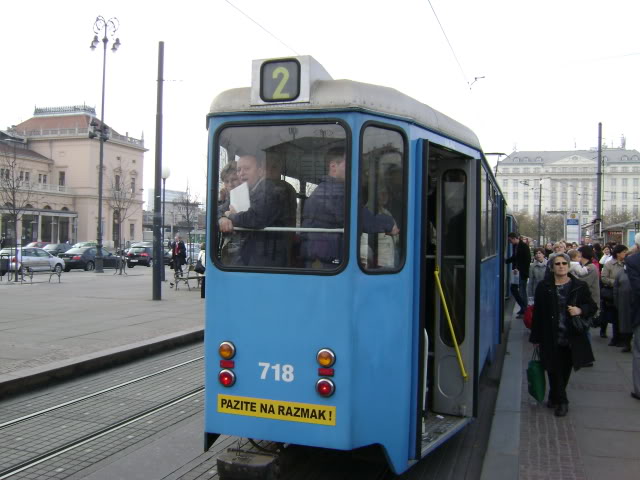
[282,197]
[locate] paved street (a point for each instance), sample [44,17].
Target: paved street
[47,325]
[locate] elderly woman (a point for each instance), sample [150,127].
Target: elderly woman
[609,273]
[561,301]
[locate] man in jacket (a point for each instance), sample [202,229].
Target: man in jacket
[178,254]
[632,266]
[267,209]
[521,259]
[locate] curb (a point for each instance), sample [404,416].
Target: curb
[502,458]
[28,379]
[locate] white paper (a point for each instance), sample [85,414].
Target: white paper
[240,198]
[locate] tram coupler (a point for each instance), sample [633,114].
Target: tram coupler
[237,464]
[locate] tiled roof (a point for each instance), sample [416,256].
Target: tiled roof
[56,122]
[22,152]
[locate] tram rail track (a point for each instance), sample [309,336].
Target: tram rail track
[96,394]
[61,449]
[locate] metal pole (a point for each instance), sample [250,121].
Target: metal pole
[599,177]
[164,192]
[99,262]
[540,214]
[157,215]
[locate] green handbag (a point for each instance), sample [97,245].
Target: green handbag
[535,377]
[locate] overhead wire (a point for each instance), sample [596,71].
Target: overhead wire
[450,46]
[262,27]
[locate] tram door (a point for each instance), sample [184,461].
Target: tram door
[448,244]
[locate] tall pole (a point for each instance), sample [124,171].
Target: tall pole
[599,176]
[109,27]
[540,213]
[157,215]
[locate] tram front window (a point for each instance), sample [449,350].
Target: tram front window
[281,195]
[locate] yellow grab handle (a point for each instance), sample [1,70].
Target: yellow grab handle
[465,376]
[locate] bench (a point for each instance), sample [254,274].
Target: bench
[29,272]
[186,276]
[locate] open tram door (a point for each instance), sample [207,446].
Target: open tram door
[448,370]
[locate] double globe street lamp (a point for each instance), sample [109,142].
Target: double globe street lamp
[106,28]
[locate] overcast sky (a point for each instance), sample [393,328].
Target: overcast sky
[553,69]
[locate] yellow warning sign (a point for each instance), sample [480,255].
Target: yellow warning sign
[277,409]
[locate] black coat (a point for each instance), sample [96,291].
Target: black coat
[181,257]
[259,248]
[544,330]
[521,259]
[632,266]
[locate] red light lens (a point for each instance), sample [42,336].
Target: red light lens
[77,257]
[325,387]
[226,378]
[144,254]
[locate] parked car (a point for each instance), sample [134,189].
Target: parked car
[85,258]
[57,248]
[139,255]
[85,244]
[37,244]
[36,259]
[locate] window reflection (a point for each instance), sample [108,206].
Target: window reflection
[280,202]
[382,200]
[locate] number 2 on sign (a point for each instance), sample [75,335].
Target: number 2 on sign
[278,94]
[280,372]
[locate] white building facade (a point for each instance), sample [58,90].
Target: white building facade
[568,180]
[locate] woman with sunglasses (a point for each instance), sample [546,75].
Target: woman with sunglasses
[563,346]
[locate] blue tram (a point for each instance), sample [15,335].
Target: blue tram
[355,287]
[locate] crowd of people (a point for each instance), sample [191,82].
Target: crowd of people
[572,288]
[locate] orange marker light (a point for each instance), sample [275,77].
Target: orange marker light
[326,358]
[227,350]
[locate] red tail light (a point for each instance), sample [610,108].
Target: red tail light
[144,254]
[76,257]
[227,378]
[325,387]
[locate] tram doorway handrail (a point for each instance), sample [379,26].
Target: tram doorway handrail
[436,273]
[291,229]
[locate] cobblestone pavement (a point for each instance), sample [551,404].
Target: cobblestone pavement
[86,313]
[599,438]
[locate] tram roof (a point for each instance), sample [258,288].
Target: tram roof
[350,95]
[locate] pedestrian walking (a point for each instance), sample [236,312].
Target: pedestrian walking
[521,259]
[609,273]
[632,267]
[562,304]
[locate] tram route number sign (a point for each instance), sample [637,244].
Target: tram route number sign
[277,409]
[280,80]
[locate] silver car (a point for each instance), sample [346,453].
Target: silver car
[36,259]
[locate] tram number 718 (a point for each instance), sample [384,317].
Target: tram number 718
[280,372]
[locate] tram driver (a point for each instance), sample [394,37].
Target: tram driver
[259,248]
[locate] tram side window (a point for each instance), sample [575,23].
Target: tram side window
[483,214]
[382,200]
[281,199]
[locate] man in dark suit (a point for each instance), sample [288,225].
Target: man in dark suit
[632,266]
[178,254]
[259,248]
[521,259]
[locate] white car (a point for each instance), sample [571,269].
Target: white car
[36,259]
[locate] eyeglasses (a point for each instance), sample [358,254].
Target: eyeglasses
[561,263]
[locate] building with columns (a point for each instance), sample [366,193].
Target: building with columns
[569,181]
[58,166]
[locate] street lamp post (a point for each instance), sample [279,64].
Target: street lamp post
[540,213]
[165,174]
[107,28]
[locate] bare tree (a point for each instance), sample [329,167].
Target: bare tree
[188,206]
[122,198]
[17,193]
